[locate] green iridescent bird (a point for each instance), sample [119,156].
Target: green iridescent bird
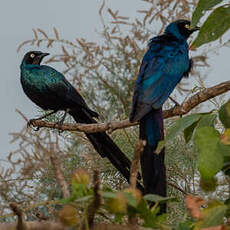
[50,90]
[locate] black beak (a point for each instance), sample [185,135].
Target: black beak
[42,55]
[195,29]
[39,58]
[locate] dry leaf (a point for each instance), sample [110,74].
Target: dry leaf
[193,204]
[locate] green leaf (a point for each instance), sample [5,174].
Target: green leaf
[224,149]
[188,124]
[202,6]
[131,200]
[179,126]
[85,198]
[207,119]
[157,198]
[182,124]
[149,216]
[188,132]
[227,203]
[213,215]
[210,158]
[226,168]
[224,114]
[214,27]
[118,218]
[187,225]
[109,195]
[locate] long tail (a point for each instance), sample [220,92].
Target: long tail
[105,146]
[153,168]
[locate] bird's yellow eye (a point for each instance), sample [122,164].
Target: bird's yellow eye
[187,26]
[32,55]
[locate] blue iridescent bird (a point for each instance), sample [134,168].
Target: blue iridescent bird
[163,66]
[50,90]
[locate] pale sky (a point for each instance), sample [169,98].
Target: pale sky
[73,18]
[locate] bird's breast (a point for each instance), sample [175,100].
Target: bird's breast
[178,63]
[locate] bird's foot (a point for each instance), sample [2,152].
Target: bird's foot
[174,101]
[31,125]
[59,128]
[60,123]
[30,122]
[110,128]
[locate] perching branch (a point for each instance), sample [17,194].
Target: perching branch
[184,108]
[197,99]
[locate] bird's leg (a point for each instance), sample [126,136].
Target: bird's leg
[30,122]
[60,123]
[174,101]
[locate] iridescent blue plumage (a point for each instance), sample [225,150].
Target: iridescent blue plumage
[162,68]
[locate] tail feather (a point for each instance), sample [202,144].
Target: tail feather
[104,145]
[152,164]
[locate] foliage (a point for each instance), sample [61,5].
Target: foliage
[217,23]
[212,146]
[105,74]
[116,206]
[128,204]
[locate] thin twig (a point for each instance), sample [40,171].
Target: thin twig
[59,174]
[21,224]
[94,206]
[135,162]
[177,188]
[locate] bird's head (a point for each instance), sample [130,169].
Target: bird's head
[34,57]
[180,29]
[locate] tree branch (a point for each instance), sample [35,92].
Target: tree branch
[197,99]
[184,108]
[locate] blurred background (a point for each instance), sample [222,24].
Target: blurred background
[99,46]
[74,19]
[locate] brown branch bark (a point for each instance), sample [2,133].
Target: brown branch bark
[184,108]
[135,163]
[21,225]
[197,99]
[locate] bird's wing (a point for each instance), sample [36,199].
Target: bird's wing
[162,68]
[57,85]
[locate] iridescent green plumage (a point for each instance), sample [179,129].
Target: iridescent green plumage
[50,90]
